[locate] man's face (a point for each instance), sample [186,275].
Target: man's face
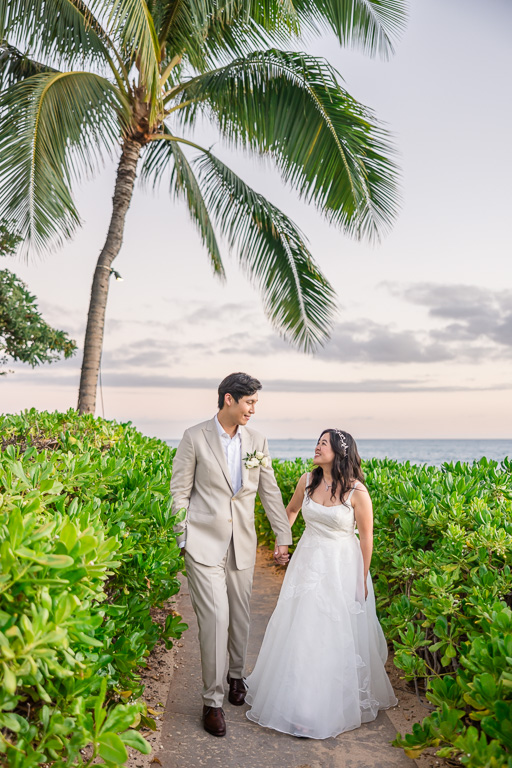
[241,412]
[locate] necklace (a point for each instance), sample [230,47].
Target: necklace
[326,486]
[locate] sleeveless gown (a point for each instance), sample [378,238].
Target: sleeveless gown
[320,670]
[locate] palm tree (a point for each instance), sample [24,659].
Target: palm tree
[81,78]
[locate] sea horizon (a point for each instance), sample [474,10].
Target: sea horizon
[416,450]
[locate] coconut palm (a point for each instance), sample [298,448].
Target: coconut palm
[85,78]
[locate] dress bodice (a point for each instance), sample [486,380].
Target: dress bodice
[333,522]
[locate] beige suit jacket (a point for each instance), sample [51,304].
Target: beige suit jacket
[201,485]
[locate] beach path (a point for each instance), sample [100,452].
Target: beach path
[184,743]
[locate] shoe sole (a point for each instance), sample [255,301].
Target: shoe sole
[236,703]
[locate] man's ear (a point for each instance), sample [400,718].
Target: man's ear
[228,399]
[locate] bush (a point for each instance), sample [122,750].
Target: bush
[87,550]
[443,541]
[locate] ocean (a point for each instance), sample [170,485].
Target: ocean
[434,452]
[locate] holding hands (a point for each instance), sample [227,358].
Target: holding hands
[281,555]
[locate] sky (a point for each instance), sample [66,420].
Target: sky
[422,344]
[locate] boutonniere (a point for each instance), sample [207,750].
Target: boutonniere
[256,458]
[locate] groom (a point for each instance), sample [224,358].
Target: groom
[219,467]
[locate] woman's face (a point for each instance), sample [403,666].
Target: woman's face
[324,454]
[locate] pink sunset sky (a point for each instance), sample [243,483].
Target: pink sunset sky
[422,345]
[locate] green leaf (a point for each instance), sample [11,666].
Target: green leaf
[99,712]
[51,561]
[9,681]
[329,147]
[69,536]
[15,526]
[63,121]
[87,543]
[134,740]
[111,748]
[297,298]
[161,155]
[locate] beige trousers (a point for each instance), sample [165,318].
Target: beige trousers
[220,596]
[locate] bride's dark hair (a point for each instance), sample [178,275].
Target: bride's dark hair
[346,466]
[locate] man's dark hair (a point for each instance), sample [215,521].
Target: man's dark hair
[237,385]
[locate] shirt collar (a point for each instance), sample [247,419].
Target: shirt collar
[222,432]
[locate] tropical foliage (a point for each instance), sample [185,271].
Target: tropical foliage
[86,551]
[441,570]
[24,335]
[80,79]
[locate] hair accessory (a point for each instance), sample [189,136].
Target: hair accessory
[343,441]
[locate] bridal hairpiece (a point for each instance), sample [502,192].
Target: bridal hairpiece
[343,441]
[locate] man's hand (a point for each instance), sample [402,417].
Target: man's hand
[281,555]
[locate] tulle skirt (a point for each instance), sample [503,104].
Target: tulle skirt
[320,670]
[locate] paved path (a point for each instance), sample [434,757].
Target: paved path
[184,743]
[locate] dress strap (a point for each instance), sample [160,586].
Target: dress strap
[353,489]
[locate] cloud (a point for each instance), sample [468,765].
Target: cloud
[478,314]
[138,380]
[370,342]
[144,353]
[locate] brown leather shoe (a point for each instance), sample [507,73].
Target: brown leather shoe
[213,720]
[237,691]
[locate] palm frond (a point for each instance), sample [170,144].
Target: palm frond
[53,129]
[297,298]
[65,31]
[16,66]
[163,154]
[373,26]
[206,31]
[291,107]
[132,23]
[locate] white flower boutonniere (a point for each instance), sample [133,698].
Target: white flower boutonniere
[255,459]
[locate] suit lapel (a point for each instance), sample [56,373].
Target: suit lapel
[246,443]
[213,439]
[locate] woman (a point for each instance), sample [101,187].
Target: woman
[320,670]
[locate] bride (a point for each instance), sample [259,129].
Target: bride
[320,670]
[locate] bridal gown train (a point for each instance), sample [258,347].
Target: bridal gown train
[320,670]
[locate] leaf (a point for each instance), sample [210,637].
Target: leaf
[297,298]
[134,740]
[413,752]
[99,712]
[63,123]
[111,748]
[165,155]
[69,536]
[9,681]
[15,526]
[51,561]
[290,106]
[87,543]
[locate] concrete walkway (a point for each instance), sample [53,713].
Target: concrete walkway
[184,743]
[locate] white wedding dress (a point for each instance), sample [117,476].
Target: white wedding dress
[320,670]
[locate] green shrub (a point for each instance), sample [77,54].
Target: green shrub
[443,584]
[87,550]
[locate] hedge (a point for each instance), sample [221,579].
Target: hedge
[443,541]
[87,550]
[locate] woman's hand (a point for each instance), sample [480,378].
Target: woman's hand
[281,555]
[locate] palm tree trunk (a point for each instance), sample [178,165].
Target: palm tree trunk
[93,343]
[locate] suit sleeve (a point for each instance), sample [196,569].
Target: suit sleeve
[272,501]
[182,481]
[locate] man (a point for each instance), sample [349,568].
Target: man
[219,467]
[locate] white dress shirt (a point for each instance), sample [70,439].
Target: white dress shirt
[233,451]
